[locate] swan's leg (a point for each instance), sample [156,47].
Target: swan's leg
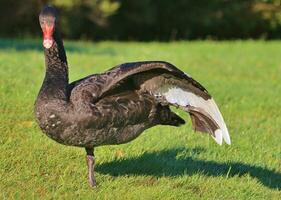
[90,158]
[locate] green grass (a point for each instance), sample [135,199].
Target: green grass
[164,162]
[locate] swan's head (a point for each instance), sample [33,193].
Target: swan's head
[48,20]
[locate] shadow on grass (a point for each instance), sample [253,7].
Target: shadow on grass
[175,163]
[36,45]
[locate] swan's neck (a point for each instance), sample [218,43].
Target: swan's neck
[56,77]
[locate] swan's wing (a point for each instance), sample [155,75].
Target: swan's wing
[168,85]
[102,83]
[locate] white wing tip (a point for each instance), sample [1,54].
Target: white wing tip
[226,137]
[222,132]
[220,136]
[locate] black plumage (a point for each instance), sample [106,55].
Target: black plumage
[118,105]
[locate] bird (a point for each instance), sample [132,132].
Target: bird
[116,106]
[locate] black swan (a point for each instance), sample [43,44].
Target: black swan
[116,106]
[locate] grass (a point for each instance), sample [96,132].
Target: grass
[164,162]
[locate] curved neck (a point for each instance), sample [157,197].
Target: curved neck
[56,77]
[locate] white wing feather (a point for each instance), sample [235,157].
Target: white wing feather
[180,97]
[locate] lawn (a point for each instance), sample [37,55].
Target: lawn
[164,162]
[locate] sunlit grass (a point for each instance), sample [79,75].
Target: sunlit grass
[164,162]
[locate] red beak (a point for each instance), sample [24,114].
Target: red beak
[48,36]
